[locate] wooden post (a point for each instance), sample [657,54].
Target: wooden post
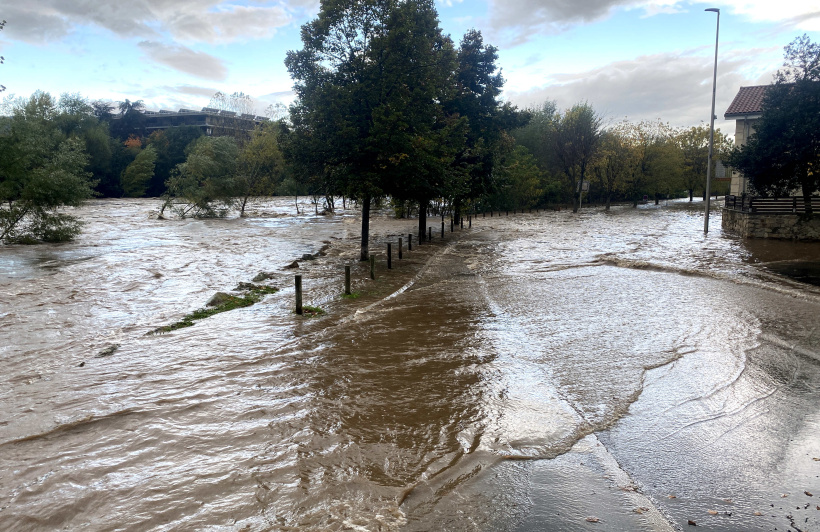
[410,242]
[389,256]
[299,295]
[399,248]
[373,267]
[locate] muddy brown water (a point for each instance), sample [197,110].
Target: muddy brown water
[544,371]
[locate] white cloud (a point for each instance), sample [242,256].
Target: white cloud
[517,21]
[212,21]
[183,59]
[675,88]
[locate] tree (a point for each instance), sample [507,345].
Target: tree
[138,174]
[613,164]
[694,146]
[41,171]
[131,120]
[370,82]
[479,87]
[260,164]
[170,145]
[575,142]
[783,153]
[203,186]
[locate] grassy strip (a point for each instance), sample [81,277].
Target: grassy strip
[312,312]
[253,295]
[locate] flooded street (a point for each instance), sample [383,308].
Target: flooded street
[543,371]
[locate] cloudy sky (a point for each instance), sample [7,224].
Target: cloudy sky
[640,59]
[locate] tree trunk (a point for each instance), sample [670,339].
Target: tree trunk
[691,194]
[365,228]
[576,202]
[242,207]
[807,191]
[296,201]
[422,220]
[608,200]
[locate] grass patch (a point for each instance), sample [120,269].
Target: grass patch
[253,294]
[311,312]
[352,295]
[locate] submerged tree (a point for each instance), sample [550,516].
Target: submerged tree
[260,165]
[783,153]
[203,186]
[41,170]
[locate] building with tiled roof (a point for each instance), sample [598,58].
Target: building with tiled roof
[746,110]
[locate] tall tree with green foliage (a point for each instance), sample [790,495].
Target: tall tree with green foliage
[575,143]
[42,170]
[783,153]
[369,81]
[479,84]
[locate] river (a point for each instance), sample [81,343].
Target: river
[541,371]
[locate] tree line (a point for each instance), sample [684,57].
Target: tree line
[387,107]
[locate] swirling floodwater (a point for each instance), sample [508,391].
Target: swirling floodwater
[538,371]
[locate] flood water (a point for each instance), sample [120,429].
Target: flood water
[539,371]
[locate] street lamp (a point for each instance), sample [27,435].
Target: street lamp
[711,127]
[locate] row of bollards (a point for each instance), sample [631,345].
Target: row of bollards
[390,255]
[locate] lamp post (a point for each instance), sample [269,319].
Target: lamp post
[711,126]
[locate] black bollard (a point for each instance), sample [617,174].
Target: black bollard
[347,280]
[299,294]
[389,256]
[399,248]
[429,234]
[470,219]
[442,230]
[462,222]
[410,242]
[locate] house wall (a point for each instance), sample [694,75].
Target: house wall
[778,226]
[744,127]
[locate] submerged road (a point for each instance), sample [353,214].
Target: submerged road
[544,371]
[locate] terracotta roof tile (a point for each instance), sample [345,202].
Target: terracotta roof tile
[748,101]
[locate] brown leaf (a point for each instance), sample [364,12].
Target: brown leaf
[692,523]
[728,500]
[809,494]
[712,512]
[671,496]
[641,510]
[593,519]
[784,495]
[757,513]
[816,459]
